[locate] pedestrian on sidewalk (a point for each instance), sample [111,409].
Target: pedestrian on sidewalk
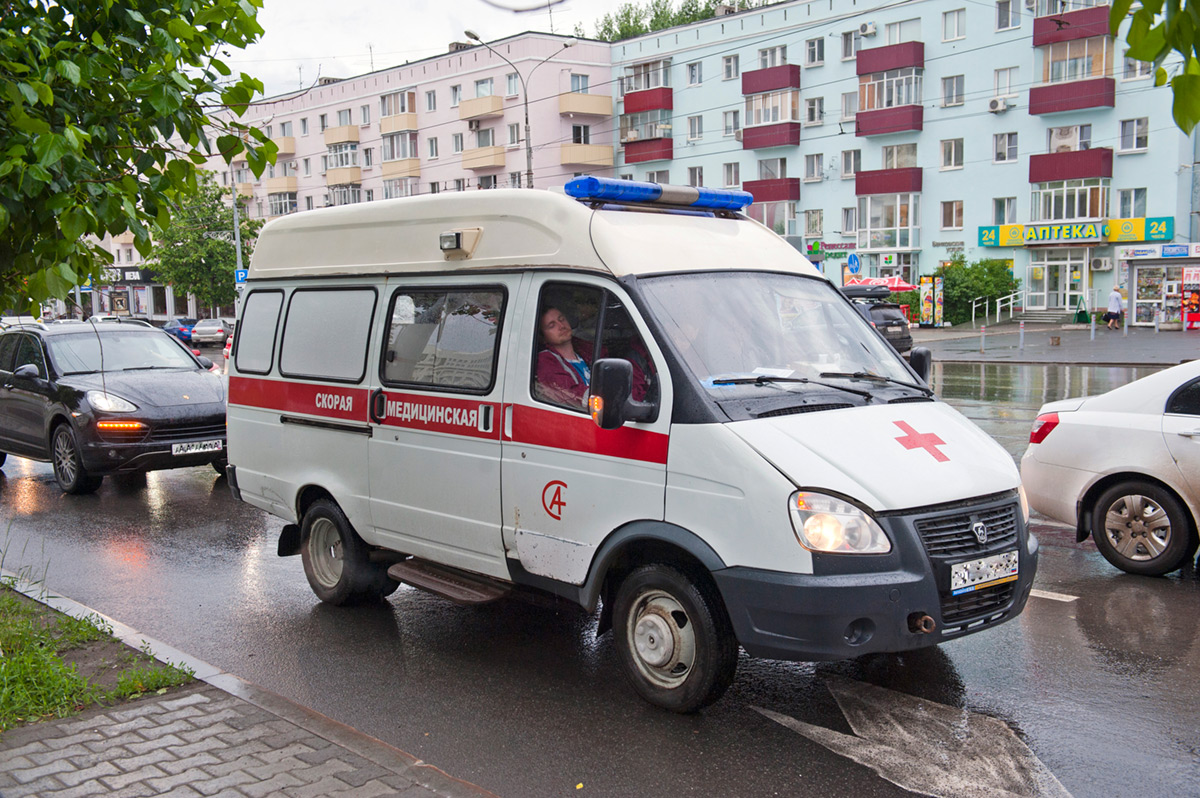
[1115,303]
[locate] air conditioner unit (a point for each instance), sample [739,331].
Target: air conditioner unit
[473,124]
[1031,4]
[1064,139]
[997,105]
[737,134]
[866,29]
[1102,264]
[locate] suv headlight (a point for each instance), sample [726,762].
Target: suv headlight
[109,403]
[825,524]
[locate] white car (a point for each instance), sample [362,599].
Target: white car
[1124,467]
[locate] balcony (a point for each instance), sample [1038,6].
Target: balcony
[784,134]
[343,175]
[404,167]
[397,122]
[282,185]
[889,120]
[286,145]
[1073,96]
[343,134]
[481,108]
[245,189]
[780,189]
[649,100]
[906,180]
[585,155]
[1076,165]
[649,150]
[892,56]
[758,81]
[1071,25]
[585,104]
[483,158]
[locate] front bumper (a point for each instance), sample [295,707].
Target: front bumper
[153,449]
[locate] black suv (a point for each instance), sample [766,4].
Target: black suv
[885,316]
[96,399]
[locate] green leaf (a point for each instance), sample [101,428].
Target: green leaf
[74,224]
[1117,13]
[44,93]
[1186,108]
[1160,77]
[28,92]
[49,149]
[3,218]
[165,99]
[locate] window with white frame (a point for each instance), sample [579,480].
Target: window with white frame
[304,126]
[729,67]
[660,176]
[655,124]
[364,115]
[773,107]
[1062,200]
[514,134]
[579,83]
[285,129]
[733,174]
[1008,14]
[814,111]
[512,84]
[369,195]
[308,203]
[435,187]
[486,181]
[849,105]
[369,155]
[1135,69]
[695,127]
[1131,203]
[900,156]
[323,122]
[890,89]
[695,175]
[399,146]
[814,52]
[851,44]
[268,132]
[400,187]
[849,221]
[952,90]
[1071,138]
[456,142]
[1004,210]
[851,163]
[1004,82]
[695,74]
[907,30]
[514,179]
[952,153]
[344,117]
[778,216]
[581,134]
[347,194]
[731,122]
[772,56]
[485,137]
[459,184]
[814,222]
[433,147]
[455,96]
[431,100]
[952,215]
[814,167]
[281,204]
[772,168]
[648,75]
[1004,147]
[341,155]
[1135,134]
[483,87]
[889,221]
[1080,59]
[954,25]
[307,167]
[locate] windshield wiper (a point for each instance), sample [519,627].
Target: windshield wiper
[866,375]
[765,379]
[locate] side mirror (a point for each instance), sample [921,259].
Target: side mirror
[921,361]
[29,372]
[609,402]
[205,362]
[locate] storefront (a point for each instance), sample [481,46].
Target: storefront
[1162,276]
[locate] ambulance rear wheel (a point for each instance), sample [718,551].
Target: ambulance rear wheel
[674,638]
[336,560]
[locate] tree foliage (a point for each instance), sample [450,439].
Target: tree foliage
[1159,28]
[196,254]
[962,283]
[103,124]
[632,19]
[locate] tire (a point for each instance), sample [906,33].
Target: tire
[219,465]
[69,472]
[337,561]
[3,457]
[674,638]
[1141,529]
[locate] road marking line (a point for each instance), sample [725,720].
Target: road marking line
[1049,594]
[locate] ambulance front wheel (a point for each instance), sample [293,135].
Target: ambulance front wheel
[674,638]
[336,560]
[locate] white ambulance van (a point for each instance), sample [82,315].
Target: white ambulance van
[629,395]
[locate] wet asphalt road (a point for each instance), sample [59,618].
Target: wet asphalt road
[523,700]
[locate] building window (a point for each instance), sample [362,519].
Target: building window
[1004,210]
[485,137]
[729,67]
[398,102]
[399,187]
[733,175]
[908,30]
[435,187]
[1131,203]
[1005,147]
[900,156]
[285,129]
[1005,82]
[1008,14]
[849,221]
[695,74]
[695,175]
[579,84]
[814,222]
[364,115]
[732,122]
[695,127]
[308,203]
[487,181]
[889,221]
[661,176]
[952,90]
[646,125]
[483,88]
[952,154]
[323,121]
[369,156]
[851,44]
[814,111]
[890,89]
[304,126]
[1080,59]
[1070,199]
[814,52]
[1135,69]
[342,155]
[369,195]
[580,134]
[514,134]
[345,194]
[772,57]
[399,146]
[954,25]
[456,142]
[649,75]
[455,96]
[814,166]
[851,163]
[772,168]
[952,215]
[1135,134]
[458,184]
[307,167]
[778,216]
[514,179]
[344,117]
[431,101]
[512,84]
[1069,139]
[772,108]
[849,105]
[282,204]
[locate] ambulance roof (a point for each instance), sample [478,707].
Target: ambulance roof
[519,228]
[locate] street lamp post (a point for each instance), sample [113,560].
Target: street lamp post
[472,35]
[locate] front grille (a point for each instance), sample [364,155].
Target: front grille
[187,432]
[903,399]
[789,411]
[952,535]
[985,606]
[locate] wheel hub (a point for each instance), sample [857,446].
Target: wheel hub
[653,640]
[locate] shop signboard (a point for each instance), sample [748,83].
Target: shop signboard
[1175,250]
[1157,228]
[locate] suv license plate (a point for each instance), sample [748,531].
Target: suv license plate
[201,446]
[995,570]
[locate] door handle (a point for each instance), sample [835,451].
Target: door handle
[508,415]
[1192,433]
[376,406]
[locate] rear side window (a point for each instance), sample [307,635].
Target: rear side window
[1185,401]
[326,333]
[444,338]
[8,345]
[256,338]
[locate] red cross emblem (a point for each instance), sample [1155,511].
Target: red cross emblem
[921,440]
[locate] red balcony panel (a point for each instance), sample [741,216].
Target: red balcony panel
[785,134]
[1071,165]
[781,189]
[892,56]
[888,181]
[889,120]
[1058,97]
[649,100]
[649,150]
[785,76]
[1082,24]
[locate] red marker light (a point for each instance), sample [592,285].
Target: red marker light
[1043,425]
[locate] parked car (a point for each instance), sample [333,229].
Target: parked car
[887,317]
[211,331]
[106,398]
[1124,468]
[180,328]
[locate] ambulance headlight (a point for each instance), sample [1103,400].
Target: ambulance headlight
[825,524]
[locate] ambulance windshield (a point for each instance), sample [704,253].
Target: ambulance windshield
[733,328]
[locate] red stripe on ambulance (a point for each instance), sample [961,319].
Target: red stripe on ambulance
[467,417]
[327,401]
[578,433]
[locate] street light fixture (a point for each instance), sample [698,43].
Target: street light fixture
[473,36]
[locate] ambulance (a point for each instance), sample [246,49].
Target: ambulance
[627,395]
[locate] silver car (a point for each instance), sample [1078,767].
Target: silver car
[212,331]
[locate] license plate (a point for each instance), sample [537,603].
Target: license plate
[196,447]
[995,570]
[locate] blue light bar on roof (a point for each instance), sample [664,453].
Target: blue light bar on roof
[630,191]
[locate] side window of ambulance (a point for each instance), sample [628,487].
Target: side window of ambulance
[255,339]
[571,320]
[326,333]
[445,338]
